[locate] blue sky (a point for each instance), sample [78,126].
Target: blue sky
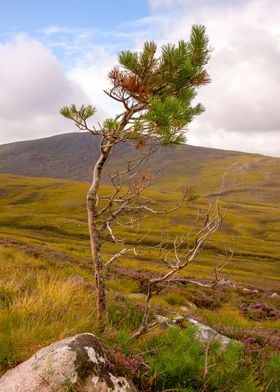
[31,16]
[65,19]
[56,53]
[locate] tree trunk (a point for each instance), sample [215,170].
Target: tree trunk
[95,245]
[95,240]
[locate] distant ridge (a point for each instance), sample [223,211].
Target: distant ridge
[213,171]
[71,155]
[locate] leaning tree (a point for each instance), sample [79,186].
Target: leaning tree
[156,90]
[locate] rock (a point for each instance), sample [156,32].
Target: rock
[178,319]
[76,363]
[185,309]
[163,321]
[204,333]
[275,296]
[247,290]
[207,334]
[226,283]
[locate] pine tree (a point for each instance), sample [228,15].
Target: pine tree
[156,93]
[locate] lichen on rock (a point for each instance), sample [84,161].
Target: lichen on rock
[78,362]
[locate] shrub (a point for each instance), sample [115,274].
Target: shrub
[175,358]
[272,374]
[177,362]
[229,371]
[124,365]
[259,311]
[123,314]
[175,299]
[207,298]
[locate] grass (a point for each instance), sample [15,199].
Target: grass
[39,304]
[42,302]
[123,285]
[52,213]
[46,275]
[177,362]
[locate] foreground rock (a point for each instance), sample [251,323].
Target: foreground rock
[204,333]
[76,363]
[208,335]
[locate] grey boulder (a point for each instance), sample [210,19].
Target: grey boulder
[76,363]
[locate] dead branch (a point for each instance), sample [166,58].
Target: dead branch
[186,197]
[176,262]
[118,255]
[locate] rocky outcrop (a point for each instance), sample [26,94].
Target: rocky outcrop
[208,335]
[76,363]
[204,333]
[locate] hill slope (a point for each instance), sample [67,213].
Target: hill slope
[52,213]
[236,176]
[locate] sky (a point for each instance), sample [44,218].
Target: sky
[54,53]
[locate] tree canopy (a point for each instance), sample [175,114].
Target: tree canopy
[155,89]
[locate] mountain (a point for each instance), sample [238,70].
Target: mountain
[237,176]
[52,209]
[70,156]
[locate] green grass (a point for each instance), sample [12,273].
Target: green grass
[39,304]
[47,286]
[123,285]
[52,213]
[177,362]
[44,298]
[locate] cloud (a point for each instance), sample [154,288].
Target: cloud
[262,143]
[91,75]
[242,100]
[156,4]
[33,88]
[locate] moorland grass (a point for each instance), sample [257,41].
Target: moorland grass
[41,303]
[52,212]
[45,296]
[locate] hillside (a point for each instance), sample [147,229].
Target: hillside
[247,186]
[51,212]
[47,285]
[236,176]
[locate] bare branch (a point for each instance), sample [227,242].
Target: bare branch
[117,256]
[177,263]
[112,234]
[186,197]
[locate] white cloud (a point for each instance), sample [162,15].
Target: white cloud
[33,88]
[242,100]
[91,74]
[155,4]
[262,143]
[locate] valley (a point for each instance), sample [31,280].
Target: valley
[46,280]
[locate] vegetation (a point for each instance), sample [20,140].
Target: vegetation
[45,276]
[50,213]
[156,95]
[41,303]
[47,287]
